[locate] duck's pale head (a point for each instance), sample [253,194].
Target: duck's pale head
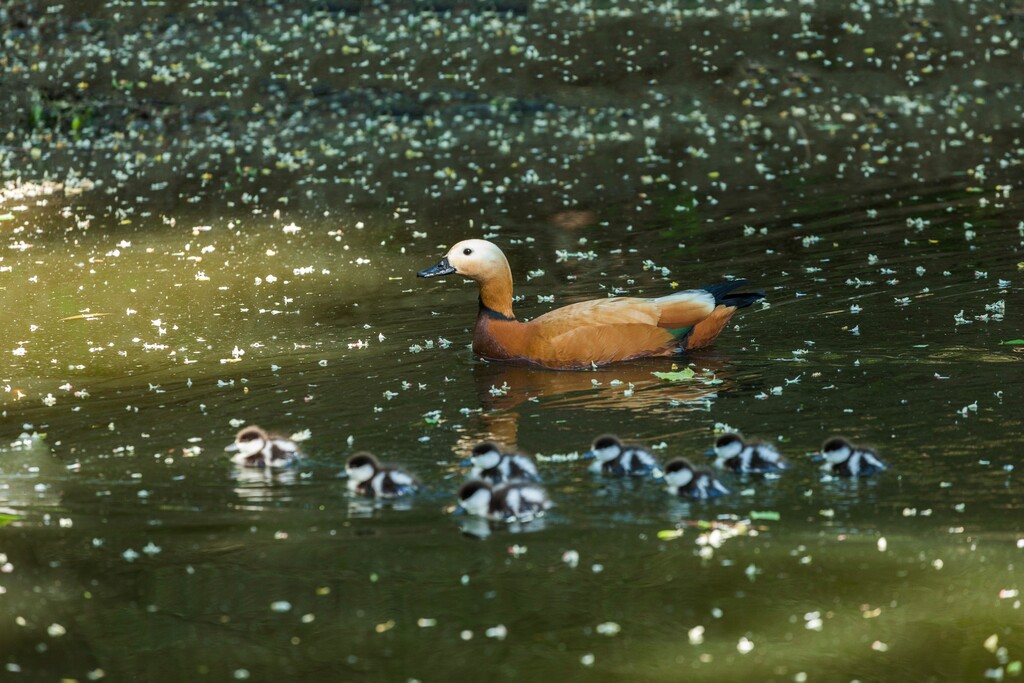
[484,263]
[478,260]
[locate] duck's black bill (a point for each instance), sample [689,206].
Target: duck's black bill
[442,268]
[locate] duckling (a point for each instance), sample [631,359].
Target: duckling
[684,479]
[592,332]
[846,460]
[619,459]
[517,501]
[254,447]
[490,464]
[747,456]
[367,477]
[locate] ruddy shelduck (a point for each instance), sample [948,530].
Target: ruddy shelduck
[588,333]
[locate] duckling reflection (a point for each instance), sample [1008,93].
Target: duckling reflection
[256,486]
[27,463]
[480,528]
[367,508]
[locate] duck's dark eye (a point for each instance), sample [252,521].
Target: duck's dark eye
[467,251]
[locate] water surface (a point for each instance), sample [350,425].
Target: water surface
[151,314]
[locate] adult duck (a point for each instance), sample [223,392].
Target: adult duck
[588,333]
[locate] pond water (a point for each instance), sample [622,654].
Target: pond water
[153,305]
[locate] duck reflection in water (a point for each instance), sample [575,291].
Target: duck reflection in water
[621,391]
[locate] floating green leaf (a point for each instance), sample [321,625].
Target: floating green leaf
[6,519]
[770,515]
[1013,342]
[669,534]
[681,376]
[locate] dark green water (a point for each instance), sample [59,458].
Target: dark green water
[135,551]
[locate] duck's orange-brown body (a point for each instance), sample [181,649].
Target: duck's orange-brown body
[591,332]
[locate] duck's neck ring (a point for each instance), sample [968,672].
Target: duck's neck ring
[489,312]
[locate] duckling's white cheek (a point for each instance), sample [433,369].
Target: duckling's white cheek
[679,477]
[729,450]
[240,458]
[836,457]
[478,503]
[247,448]
[359,474]
[606,454]
[486,461]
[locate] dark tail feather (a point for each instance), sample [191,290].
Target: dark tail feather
[724,296]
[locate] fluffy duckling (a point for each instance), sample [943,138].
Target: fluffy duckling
[684,479]
[587,333]
[367,477]
[490,464]
[254,447]
[734,453]
[846,460]
[517,501]
[618,459]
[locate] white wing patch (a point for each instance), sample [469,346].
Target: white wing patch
[870,458]
[401,478]
[286,445]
